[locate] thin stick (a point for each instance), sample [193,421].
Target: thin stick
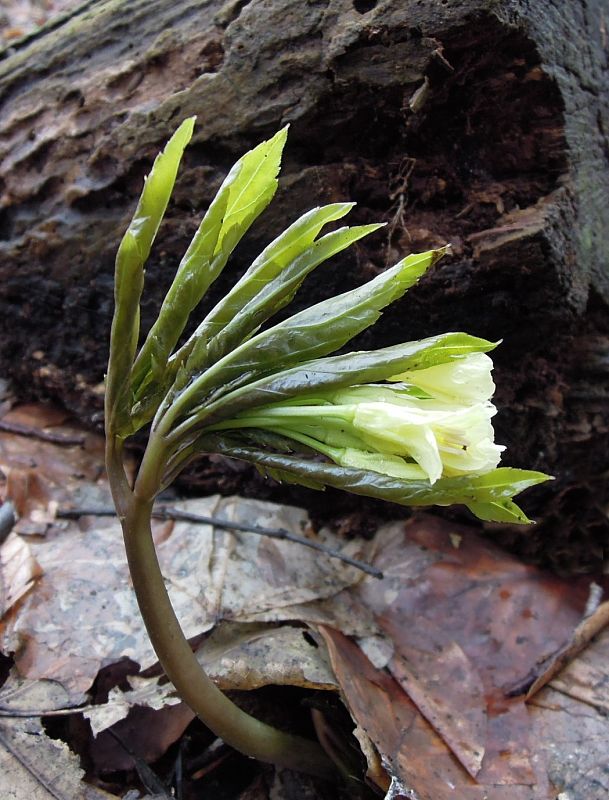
[38,433]
[167,512]
[27,713]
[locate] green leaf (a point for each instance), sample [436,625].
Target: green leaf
[157,189]
[245,193]
[129,278]
[283,476]
[273,295]
[328,325]
[335,372]
[309,334]
[505,482]
[254,189]
[477,493]
[499,511]
[194,276]
[284,250]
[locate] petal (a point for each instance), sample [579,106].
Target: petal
[422,446]
[394,429]
[464,380]
[466,441]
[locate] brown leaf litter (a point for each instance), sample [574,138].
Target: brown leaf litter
[440,664]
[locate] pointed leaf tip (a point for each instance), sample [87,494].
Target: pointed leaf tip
[187,126]
[278,139]
[416,264]
[446,250]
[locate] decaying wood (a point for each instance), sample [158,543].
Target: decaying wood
[484,123]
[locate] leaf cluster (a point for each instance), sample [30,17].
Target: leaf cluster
[232,363]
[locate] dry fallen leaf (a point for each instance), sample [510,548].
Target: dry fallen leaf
[22,695]
[591,624]
[571,718]
[462,621]
[38,417]
[414,755]
[417,759]
[83,616]
[83,613]
[467,620]
[144,734]
[36,767]
[249,577]
[18,571]
[237,657]
[40,474]
[573,737]
[244,657]
[587,678]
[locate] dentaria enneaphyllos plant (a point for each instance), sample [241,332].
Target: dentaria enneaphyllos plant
[409,423]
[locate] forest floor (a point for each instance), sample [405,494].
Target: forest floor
[461,672]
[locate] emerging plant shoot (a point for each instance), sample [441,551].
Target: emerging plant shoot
[409,423]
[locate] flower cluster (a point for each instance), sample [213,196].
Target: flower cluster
[426,424]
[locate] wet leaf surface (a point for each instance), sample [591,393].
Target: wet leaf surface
[592,623]
[463,622]
[408,744]
[466,620]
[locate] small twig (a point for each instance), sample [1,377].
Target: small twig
[28,713]
[38,433]
[166,512]
[273,533]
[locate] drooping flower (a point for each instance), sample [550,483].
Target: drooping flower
[443,438]
[438,424]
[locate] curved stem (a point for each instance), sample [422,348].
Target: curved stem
[237,728]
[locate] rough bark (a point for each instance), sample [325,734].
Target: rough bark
[484,123]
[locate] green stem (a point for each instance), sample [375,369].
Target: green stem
[119,485]
[238,729]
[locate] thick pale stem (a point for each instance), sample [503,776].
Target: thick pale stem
[221,715]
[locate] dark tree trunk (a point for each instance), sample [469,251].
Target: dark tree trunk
[484,123]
